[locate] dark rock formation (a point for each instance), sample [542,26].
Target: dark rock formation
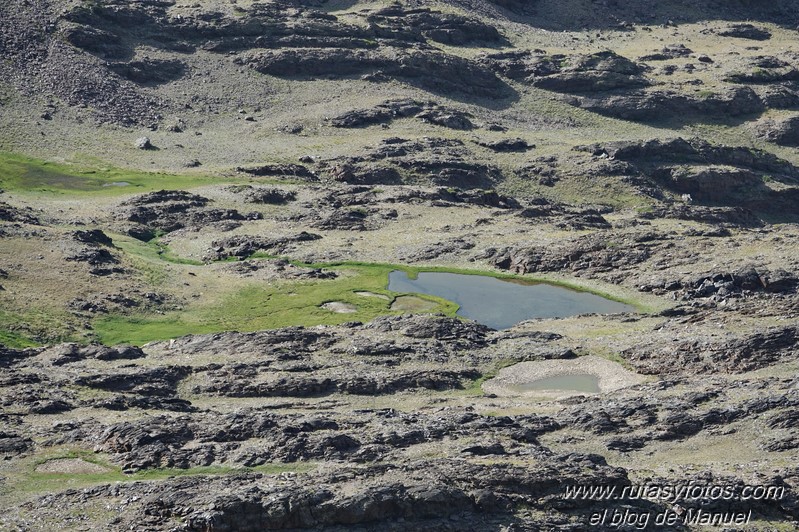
[169,211]
[672,51]
[94,257]
[286,171]
[12,445]
[476,493]
[745,31]
[602,71]
[93,236]
[737,355]
[783,132]
[734,216]
[592,253]
[730,175]
[429,159]
[150,71]
[565,216]
[101,303]
[446,117]
[483,198]
[244,246]
[724,284]
[298,386]
[380,114]
[9,213]
[461,333]
[430,70]
[272,196]
[160,381]
[353,219]
[394,109]
[508,145]
[433,251]
[445,28]
[347,196]
[655,105]
[71,353]
[711,184]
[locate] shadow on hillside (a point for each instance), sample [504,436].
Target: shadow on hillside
[579,15]
[681,123]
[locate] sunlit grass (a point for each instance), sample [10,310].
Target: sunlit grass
[35,327]
[27,480]
[14,340]
[266,306]
[25,174]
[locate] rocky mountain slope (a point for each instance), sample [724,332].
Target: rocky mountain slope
[200,204]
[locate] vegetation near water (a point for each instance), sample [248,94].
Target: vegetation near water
[249,308]
[267,306]
[252,307]
[263,306]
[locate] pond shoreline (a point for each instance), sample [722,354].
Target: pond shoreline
[503,303]
[611,376]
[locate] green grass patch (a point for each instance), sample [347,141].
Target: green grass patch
[154,250]
[29,481]
[266,306]
[36,327]
[26,174]
[15,341]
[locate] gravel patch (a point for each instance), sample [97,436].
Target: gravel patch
[372,294]
[340,307]
[70,465]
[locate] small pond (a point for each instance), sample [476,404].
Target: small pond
[570,383]
[501,303]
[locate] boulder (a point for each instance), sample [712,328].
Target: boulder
[271,196]
[94,237]
[508,145]
[143,143]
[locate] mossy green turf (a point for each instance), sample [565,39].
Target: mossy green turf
[28,480]
[154,250]
[475,388]
[14,340]
[35,327]
[267,306]
[25,174]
